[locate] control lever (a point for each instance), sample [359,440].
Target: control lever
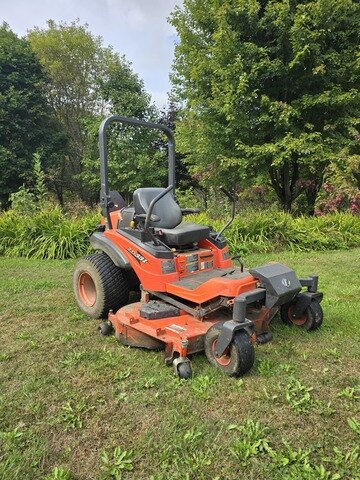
[227,225]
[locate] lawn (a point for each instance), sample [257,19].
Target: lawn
[74,405]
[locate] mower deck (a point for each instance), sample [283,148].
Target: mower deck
[183,334]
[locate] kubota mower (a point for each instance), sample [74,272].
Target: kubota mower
[193,297]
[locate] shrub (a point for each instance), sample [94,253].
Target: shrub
[46,234]
[50,233]
[270,231]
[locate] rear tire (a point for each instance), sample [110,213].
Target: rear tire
[237,359]
[99,285]
[310,320]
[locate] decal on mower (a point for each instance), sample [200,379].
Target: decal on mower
[176,328]
[137,255]
[286,282]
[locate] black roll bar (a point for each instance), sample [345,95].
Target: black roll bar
[104,172]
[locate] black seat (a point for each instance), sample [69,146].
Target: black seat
[170,228]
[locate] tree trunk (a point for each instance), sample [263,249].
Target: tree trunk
[59,193]
[284,182]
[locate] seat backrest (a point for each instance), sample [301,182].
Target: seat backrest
[166,208]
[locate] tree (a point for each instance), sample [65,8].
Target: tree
[271,89]
[26,123]
[88,82]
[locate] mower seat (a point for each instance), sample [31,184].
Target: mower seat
[170,228]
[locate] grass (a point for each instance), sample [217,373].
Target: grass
[74,405]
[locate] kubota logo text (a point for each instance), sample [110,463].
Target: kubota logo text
[137,255]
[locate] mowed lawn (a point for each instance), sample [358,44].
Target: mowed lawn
[74,405]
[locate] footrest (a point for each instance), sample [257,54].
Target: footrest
[156,309]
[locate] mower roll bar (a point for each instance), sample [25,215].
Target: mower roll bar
[104,172]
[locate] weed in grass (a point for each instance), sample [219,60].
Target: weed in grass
[121,397]
[71,359]
[346,464]
[123,375]
[287,456]
[150,383]
[193,436]
[196,461]
[288,368]
[251,442]
[332,353]
[32,345]
[354,424]
[298,396]
[72,416]
[268,395]
[351,393]
[239,384]
[266,366]
[304,356]
[35,407]
[187,456]
[21,452]
[4,357]
[109,358]
[325,409]
[8,439]
[113,466]
[23,336]
[201,385]
[68,336]
[295,464]
[59,473]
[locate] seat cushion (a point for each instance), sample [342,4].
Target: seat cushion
[166,208]
[183,234]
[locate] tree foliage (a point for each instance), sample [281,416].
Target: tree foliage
[271,90]
[88,82]
[26,122]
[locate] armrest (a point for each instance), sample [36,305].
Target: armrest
[188,211]
[153,218]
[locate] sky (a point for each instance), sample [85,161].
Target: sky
[136,28]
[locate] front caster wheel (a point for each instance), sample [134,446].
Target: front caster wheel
[105,329]
[182,367]
[310,319]
[237,359]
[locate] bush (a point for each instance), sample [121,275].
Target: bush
[47,234]
[270,231]
[50,233]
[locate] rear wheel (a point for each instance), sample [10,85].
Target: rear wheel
[99,285]
[310,319]
[237,359]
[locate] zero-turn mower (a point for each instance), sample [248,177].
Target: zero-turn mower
[193,297]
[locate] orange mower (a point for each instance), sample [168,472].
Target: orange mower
[193,297]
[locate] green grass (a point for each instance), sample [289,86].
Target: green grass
[74,405]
